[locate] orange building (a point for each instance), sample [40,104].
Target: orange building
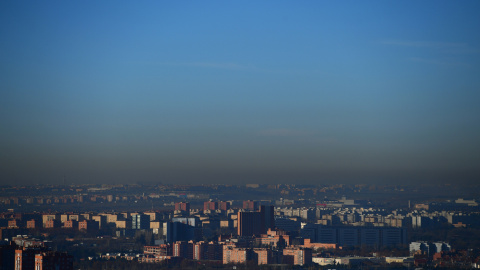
[31,224]
[182,206]
[307,244]
[14,223]
[70,224]
[263,255]
[47,217]
[52,224]
[232,254]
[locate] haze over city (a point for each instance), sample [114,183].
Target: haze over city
[239,92]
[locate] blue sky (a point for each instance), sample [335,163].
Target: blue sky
[235,92]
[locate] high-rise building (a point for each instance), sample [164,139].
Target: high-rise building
[233,254]
[140,221]
[210,205]
[183,249]
[182,229]
[255,222]
[7,256]
[25,258]
[250,205]
[249,223]
[182,206]
[263,255]
[32,224]
[268,217]
[224,206]
[191,221]
[72,224]
[47,217]
[287,224]
[199,251]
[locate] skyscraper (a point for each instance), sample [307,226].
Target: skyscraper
[268,217]
[249,223]
[140,221]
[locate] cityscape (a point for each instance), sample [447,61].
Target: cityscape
[253,226]
[239,134]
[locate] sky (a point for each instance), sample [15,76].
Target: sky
[198,92]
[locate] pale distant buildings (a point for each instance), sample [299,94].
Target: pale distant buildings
[467,202]
[428,248]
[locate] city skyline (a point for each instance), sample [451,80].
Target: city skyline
[242,92]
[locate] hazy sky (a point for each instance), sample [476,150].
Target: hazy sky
[239,91]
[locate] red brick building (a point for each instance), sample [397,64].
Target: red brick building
[182,206]
[224,206]
[250,205]
[232,254]
[210,205]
